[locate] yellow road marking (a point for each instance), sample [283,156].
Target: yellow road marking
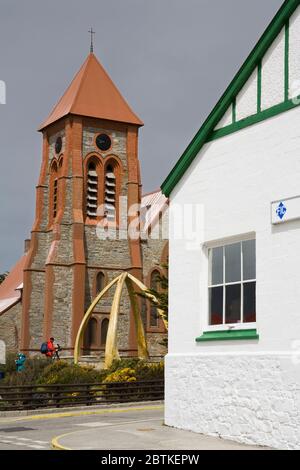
[56,445]
[71,414]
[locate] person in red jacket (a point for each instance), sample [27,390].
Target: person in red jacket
[51,348]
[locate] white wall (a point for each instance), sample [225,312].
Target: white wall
[294,54]
[236,178]
[272,77]
[246,102]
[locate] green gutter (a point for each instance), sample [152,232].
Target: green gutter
[226,100]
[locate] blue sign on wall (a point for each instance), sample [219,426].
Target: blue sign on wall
[286,210]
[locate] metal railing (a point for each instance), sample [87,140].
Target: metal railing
[30,397]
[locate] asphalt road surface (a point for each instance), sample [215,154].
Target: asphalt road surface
[137,427]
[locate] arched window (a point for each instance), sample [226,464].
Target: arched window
[104,329]
[53,191]
[92,190]
[91,333]
[100,282]
[154,284]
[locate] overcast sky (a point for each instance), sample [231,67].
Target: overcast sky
[171,59]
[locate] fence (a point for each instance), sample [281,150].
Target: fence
[30,397]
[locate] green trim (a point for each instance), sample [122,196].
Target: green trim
[234,111]
[251,120]
[226,100]
[259,67]
[228,335]
[286,61]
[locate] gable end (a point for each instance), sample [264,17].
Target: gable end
[254,61]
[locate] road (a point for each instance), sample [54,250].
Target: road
[137,427]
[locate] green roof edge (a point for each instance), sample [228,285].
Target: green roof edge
[274,28]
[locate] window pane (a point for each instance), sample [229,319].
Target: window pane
[249,260]
[91,333]
[233,262]
[154,283]
[216,306]
[153,316]
[100,282]
[104,329]
[250,302]
[233,304]
[216,266]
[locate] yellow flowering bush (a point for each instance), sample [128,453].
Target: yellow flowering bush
[121,375]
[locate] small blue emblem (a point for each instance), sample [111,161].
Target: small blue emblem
[281,211]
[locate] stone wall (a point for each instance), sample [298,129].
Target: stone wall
[152,251]
[156,345]
[106,253]
[36,311]
[10,327]
[62,305]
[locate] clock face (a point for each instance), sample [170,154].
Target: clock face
[58,145]
[103,142]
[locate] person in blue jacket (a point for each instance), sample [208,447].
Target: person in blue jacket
[20,362]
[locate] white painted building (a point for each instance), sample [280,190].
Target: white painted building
[233,367]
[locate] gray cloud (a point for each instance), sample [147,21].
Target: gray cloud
[171,59]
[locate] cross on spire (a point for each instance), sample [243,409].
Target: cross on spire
[92,39]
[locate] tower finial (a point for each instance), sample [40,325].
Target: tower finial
[92,40]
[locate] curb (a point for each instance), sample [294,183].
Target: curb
[48,411]
[97,411]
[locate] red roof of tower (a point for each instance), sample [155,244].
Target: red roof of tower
[92,93]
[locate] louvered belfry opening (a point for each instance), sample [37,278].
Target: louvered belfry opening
[92,190]
[110,193]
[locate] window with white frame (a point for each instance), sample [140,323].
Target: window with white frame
[232,283]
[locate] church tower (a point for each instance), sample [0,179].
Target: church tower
[90,159]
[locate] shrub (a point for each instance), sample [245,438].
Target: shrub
[150,371]
[40,370]
[34,367]
[118,364]
[121,375]
[143,370]
[61,372]
[10,365]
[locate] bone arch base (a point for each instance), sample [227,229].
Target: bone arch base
[111,348]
